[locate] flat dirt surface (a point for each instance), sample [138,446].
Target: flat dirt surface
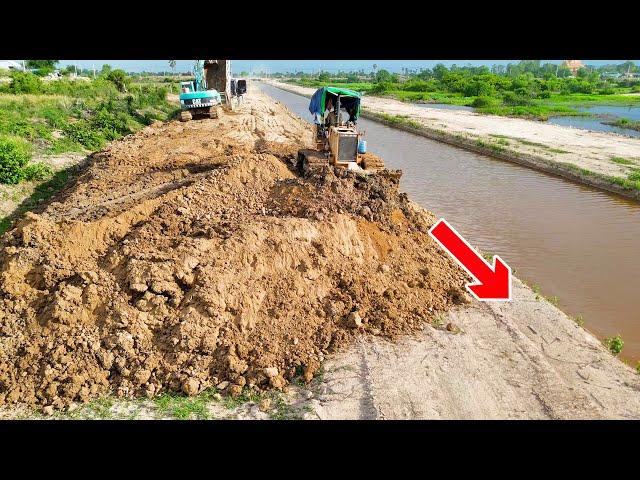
[193,255]
[585,149]
[519,360]
[194,259]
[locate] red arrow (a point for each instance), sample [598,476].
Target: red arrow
[492,283]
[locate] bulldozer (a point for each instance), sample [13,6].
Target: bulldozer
[338,142]
[203,97]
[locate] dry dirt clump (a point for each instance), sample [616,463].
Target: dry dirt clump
[190,255]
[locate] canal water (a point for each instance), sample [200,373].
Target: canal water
[577,243]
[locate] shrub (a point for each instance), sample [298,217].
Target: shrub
[384,76]
[37,171]
[479,88]
[112,124]
[82,133]
[25,83]
[614,344]
[382,87]
[14,155]
[484,102]
[514,99]
[119,79]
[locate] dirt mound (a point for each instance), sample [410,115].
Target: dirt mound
[187,256]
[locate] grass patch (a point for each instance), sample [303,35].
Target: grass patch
[37,171]
[624,123]
[621,161]
[497,147]
[438,321]
[400,120]
[184,408]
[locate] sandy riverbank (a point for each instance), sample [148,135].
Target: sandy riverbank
[223,268]
[579,155]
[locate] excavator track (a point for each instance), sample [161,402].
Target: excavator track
[185,116]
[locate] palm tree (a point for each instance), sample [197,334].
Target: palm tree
[172,64]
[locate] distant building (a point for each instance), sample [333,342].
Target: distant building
[573,65]
[10,65]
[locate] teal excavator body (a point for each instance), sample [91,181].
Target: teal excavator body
[196,99]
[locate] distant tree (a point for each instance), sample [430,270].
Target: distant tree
[384,76]
[172,64]
[38,64]
[439,71]
[324,76]
[498,69]
[106,68]
[119,79]
[627,67]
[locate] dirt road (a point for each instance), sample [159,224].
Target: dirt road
[551,148]
[192,257]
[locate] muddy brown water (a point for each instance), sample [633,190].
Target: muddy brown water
[577,243]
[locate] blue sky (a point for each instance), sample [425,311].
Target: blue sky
[296,65]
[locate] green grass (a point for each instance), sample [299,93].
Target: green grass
[621,161]
[183,408]
[634,176]
[632,182]
[438,321]
[400,120]
[624,123]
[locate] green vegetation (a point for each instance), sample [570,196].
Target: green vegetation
[14,156]
[400,120]
[65,115]
[625,123]
[37,171]
[632,182]
[621,161]
[184,408]
[614,344]
[42,116]
[438,321]
[528,88]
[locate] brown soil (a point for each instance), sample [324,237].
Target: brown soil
[193,254]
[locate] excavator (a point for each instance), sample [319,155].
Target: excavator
[338,142]
[203,97]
